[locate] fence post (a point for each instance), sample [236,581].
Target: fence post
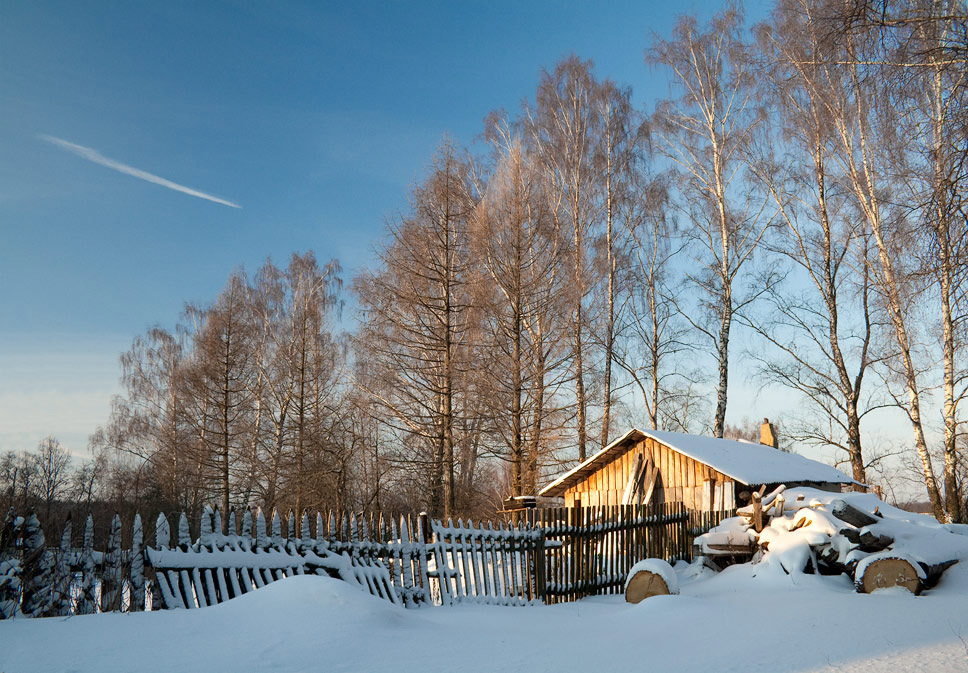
[539,565]
[685,546]
[425,528]
[576,559]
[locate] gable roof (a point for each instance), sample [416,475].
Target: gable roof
[745,462]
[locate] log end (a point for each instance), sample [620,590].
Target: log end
[885,573]
[645,584]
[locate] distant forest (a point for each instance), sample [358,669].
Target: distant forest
[799,200]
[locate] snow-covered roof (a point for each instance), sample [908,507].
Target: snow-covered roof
[744,461]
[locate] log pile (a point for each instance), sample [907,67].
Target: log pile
[831,536]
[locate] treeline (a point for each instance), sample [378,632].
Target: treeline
[46,481]
[591,268]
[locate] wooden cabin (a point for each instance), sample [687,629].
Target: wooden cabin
[704,473]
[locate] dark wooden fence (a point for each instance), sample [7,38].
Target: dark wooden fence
[589,550]
[550,555]
[702,522]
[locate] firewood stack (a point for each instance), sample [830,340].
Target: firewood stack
[836,537]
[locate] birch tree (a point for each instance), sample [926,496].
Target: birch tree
[651,335]
[706,133]
[619,155]
[932,101]
[563,126]
[149,420]
[820,325]
[863,122]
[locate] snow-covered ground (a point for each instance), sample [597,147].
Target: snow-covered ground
[755,617]
[738,620]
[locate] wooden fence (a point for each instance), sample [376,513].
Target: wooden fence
[550,556]
[590,550]
[702,522]
[484,564]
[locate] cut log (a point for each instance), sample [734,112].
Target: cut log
[645,584]
[828,562]
[886,572]
[850,514]
[872,543]
[933,572]
[852,534]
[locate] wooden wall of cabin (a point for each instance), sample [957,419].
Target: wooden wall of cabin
[680,479]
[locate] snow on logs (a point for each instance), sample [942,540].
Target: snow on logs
[835,534]
[651,577]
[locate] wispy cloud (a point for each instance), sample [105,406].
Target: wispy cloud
[98,158]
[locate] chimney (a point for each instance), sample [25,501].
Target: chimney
[768,434]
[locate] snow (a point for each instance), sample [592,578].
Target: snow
[748,462]
[765,617]
[309,623]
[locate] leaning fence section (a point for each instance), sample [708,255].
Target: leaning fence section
[484,564]
[387,557]
[218,567]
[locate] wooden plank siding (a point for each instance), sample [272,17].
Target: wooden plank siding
[680,479]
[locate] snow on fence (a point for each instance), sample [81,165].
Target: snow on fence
[384,558]
[554,555]
[219,567]
[499,566]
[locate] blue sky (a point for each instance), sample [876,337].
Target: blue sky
[314,117]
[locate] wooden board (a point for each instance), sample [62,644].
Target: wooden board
[632,485]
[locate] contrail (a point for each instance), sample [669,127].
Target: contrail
[98,158]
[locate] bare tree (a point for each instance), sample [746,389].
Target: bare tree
[647,331]
[525,261]
[18,475]
[932,102]
[309,361]
[53,474]
[706,133]
[863,122]
[417,311]
[619,160]
[820,324]
[219,385]
[149,420]
[563,127]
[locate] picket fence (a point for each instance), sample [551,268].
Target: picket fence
[548,556]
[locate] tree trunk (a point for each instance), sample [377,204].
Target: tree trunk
[610,296]
[722,353]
